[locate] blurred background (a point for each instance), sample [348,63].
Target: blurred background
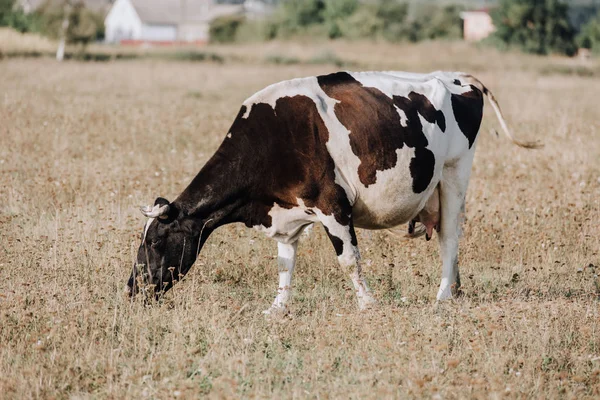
[132,28]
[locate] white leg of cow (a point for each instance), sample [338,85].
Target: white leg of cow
[363,293]
[286,261]
[344,242]
[453,189]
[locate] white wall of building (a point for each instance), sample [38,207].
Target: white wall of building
[194,32]
[159,33]
[122,23]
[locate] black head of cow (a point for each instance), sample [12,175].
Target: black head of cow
[171,242]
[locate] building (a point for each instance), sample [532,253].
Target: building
[164,21]
[477,25]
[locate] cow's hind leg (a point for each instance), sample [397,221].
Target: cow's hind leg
[453,188]
[286,261]
[344,241]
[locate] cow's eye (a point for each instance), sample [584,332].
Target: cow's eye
[155,243]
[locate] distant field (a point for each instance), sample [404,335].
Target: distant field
[82,145]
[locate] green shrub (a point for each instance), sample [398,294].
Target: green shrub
[14,17]
[335,13]
[391,20]
[254,31]
[535,26]
[394,18]
[224,29]
[441,22]
[295,17]
[589,37]
[364,23]
[194,56]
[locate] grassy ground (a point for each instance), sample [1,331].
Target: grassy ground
[83,144]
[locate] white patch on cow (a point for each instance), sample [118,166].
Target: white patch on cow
[403,117]
[287,224]
[146,227]
[308,87]
[349,256]
[286,260]
[247,112]
[229,135]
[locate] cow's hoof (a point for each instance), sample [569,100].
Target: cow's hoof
[448,292]
[444,293]
[276,311]
[366,303]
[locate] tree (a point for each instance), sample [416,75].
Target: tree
[335,13]
[535,26]
[589,37]
[224,29]
[71,23]
[391,20]
[14,17]
[393,15]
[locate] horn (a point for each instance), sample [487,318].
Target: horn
[158,211]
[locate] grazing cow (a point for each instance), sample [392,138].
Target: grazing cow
[348,150]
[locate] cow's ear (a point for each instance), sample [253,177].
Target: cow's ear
[160,210]
[161,201]
[170,213]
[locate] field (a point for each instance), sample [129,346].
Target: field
[82,145]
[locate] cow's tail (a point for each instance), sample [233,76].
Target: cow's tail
[477,83]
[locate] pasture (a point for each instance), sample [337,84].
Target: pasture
[82,145]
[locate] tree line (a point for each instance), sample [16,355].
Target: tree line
[55,19]
[533,26]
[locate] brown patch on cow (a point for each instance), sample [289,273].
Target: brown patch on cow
[468,112]
[376,131]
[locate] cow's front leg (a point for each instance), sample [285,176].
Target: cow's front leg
[453,189]
[286,261]
[343,239]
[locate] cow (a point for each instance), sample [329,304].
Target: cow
[348,150]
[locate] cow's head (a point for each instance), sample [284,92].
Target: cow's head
[171,241]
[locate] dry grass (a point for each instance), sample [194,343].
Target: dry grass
[12,41]
[82,145]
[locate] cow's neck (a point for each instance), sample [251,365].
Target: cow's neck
[220,192]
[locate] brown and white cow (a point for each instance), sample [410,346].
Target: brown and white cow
[347,150]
